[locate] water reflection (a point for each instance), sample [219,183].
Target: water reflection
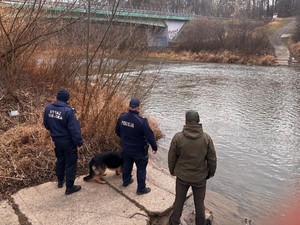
[252,114]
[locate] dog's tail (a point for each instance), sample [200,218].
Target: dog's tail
[92,172]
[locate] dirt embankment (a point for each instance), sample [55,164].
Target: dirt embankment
[281,26]
[281,31]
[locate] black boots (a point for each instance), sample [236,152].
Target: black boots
[73,189]
[130,182]
[60,184]
[144,191]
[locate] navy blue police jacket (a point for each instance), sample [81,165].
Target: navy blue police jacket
[60,119]
[135,132]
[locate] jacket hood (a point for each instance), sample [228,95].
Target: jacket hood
[193,131]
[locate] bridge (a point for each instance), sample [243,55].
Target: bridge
[161,27]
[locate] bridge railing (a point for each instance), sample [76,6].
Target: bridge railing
[156,12]
[80,4]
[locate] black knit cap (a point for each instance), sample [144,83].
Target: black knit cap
[63,95]
[192,116]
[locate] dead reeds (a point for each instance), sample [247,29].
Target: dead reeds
[96,62]
[27,157]
[216,57]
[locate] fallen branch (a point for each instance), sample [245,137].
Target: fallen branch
[12,178]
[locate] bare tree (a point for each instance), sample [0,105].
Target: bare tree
[288,8]
[23,26]
[244,36]
[115,41]
[97,61]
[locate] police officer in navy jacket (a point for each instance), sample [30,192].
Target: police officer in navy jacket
[136,135]
[60,120]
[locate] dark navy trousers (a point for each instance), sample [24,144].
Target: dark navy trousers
[66,162]
[141,160]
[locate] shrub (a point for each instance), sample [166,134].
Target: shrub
[296,36]
[247,37]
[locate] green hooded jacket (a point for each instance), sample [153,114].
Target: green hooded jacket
[192,156]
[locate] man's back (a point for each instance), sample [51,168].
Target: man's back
[188,153]
[134,131]
[60,119]
[65,131]
[55,118]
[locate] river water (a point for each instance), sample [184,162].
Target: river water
[252,115]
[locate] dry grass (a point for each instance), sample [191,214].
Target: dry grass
[26,157]
[26,150]
[295,50]
[267,60]
[275,24]
[216,57]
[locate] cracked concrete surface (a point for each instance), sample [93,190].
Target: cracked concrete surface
[101,204]
[105,204]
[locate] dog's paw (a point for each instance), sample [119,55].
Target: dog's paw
[100,181]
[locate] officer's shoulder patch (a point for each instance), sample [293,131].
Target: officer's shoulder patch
[71,109]
[75,113]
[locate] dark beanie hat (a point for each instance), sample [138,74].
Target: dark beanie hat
[134,103]
[63,95]
[192,116]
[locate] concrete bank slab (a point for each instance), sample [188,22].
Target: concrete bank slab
[94,204]
[160,200]
[7,214]
[101,204]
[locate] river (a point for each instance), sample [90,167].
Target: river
[252,115]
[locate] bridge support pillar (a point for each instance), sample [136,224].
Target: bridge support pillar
[162,36]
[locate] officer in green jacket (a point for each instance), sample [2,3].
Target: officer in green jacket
[192,159]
